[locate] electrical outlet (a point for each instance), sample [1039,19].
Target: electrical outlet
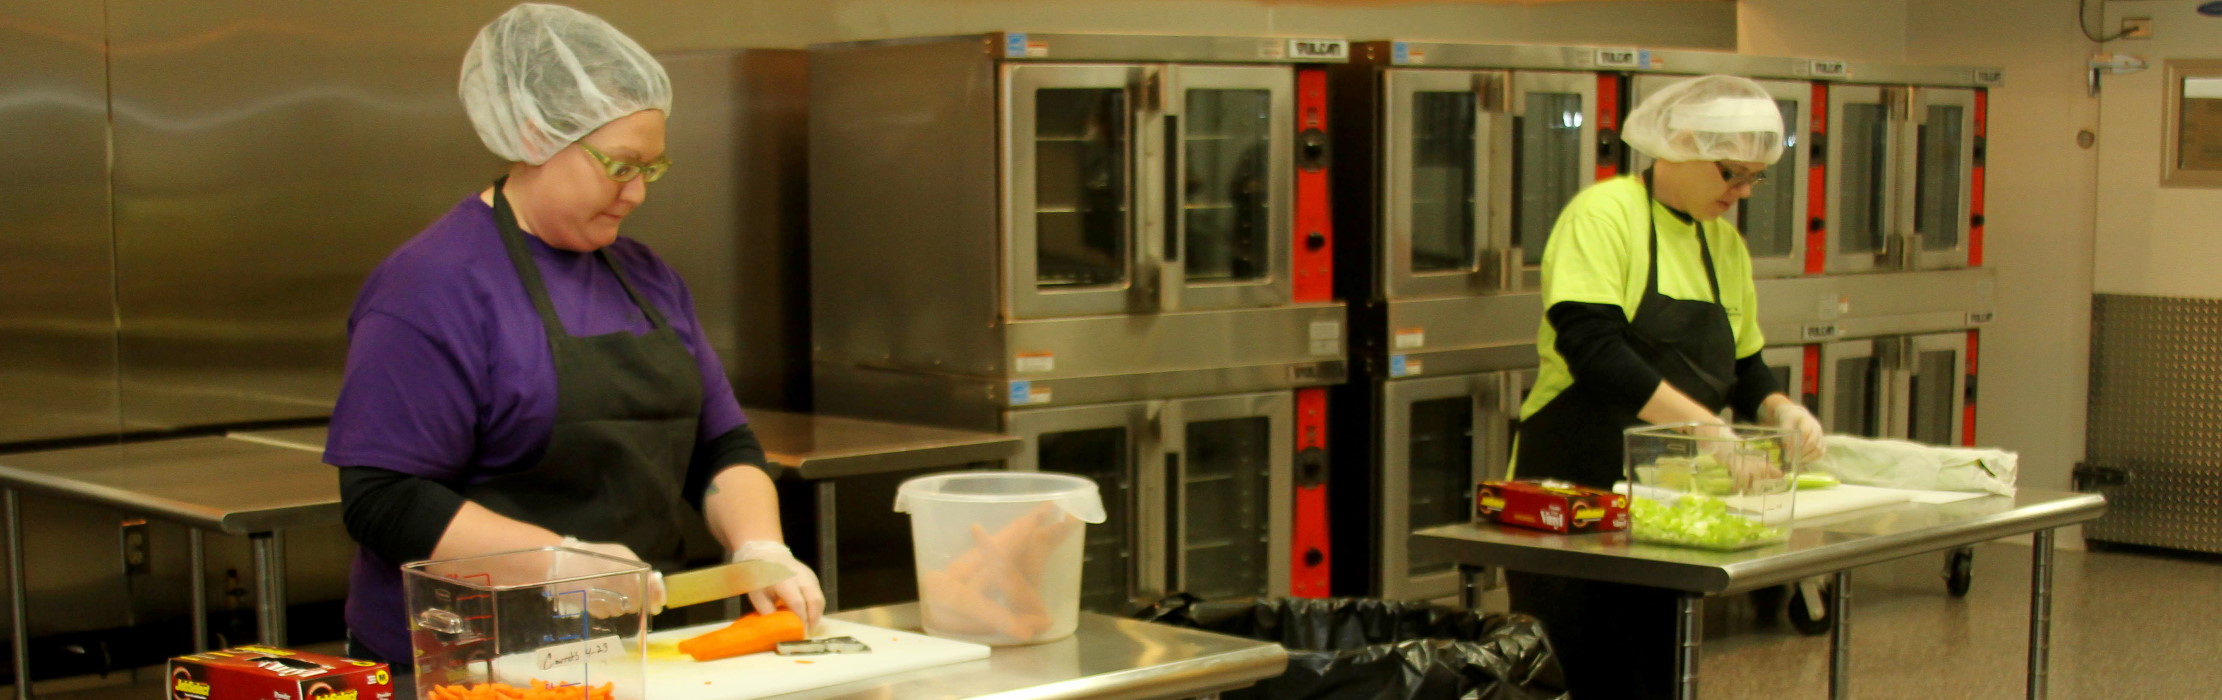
[136,549]
[2137,27]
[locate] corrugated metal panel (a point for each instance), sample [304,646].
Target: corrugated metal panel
[2156,417]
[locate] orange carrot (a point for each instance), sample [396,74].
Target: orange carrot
[1002,568]
[751,634]
[536,690]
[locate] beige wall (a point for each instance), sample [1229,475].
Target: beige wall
[2153,240]
[2035,359]
[1861,30]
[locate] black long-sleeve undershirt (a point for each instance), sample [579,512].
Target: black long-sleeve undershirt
[401,517]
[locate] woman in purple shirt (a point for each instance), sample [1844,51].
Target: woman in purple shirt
[519,376]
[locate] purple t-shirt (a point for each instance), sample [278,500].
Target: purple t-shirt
[449,375]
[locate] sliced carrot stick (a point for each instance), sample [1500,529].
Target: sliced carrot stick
[1001,572]
[751,634]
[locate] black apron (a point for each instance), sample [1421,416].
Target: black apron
[1617,641]
[1577,436]
[626,414]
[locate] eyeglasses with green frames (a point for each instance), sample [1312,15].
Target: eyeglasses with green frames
[625,170]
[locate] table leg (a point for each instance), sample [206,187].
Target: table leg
[197,554]
[269,548]
[1469,595]
[18,598]
[829,574]
[2040,613]
[1840,638]
[1689,630]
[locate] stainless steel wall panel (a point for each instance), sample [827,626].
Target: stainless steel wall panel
[732,216]
[931,106]
[1096,345]
[2156,379]
[263,167]
[57,287]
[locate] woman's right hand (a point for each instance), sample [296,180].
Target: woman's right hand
[1746,467]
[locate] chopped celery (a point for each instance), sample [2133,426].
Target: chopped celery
[1699,521]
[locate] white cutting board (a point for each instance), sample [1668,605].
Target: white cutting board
[1815,503]
[675,676]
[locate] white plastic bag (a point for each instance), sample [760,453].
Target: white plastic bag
[1900,464]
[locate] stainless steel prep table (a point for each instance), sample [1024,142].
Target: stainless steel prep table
[1108,657]
[205,483]
[1830,545]
[820,449]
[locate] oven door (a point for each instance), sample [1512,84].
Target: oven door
[1554,156]
[1773,220]
[1936,388]
[1447,211]
[1441,436]
[1854,387]
[1229,503]
[1862,179]
[1944,175]
[1070,158]
[1230,187]
[1114,445]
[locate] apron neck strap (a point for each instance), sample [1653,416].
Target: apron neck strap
[513,240]
[1651,222]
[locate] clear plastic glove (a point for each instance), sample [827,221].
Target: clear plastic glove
[1805,430]
[800,593]
[1748,468]
[605,603]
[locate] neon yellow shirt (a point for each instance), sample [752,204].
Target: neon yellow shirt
[1599,253]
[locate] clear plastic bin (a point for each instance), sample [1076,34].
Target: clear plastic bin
[1694,485]
[998,553]
[547,617]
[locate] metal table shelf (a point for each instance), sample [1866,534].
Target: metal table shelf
[1107,657]
[206,484]
[1830,545]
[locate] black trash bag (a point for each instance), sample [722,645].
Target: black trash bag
[1369,649]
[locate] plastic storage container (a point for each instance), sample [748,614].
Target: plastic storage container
[551,617]
[998,553]
[1699,486]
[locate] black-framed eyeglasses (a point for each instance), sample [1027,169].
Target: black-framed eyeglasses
[625,170]
[1728,176]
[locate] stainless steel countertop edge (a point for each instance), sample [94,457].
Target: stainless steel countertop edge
[1827,559]
[1193,677]
[821,466]
[168,509]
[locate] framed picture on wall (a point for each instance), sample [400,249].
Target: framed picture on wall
[2194,128]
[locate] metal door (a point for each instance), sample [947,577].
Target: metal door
[1788,365]
[1773,220]
[1231,185]
[1445,158]
[1115,445]
[1854,388]
[1070,158]
[1554,156]
[1943,175]
[1230,488]
[1441,435]
[1863,182]
[1935,381]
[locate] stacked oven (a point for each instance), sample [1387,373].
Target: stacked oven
[1452,162]
[1115,247]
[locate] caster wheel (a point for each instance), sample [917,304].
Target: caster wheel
[1959,571]
[1811,619]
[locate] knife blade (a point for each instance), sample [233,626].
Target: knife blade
[722,581]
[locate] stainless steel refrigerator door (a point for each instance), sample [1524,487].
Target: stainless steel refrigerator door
[1943,175]
[1554,146]
[1935,382]
[1231,187]
[1773,219]
[1441,436]
[1070,146]
[1854,388]
[1228,467]
[1863,189]
[1115,445]
[1446,161]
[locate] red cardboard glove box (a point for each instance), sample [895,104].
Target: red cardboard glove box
[270,673]
[1556,506]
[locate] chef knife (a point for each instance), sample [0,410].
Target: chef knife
[721,581]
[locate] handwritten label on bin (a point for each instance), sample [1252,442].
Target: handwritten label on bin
[577,652]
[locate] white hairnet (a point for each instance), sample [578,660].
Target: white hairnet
[1716,117]
[540,76]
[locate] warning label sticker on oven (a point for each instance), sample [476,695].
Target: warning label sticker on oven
[1016,46]
[1409,338]
[1024,393]
[1403,366]
[1030,362]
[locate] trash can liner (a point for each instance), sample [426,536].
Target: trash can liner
[1364,648]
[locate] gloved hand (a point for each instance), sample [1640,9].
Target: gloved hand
[800,593]
[1747,467]
[610,606]
[1805,430]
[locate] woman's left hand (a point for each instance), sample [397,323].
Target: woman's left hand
[800,593]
